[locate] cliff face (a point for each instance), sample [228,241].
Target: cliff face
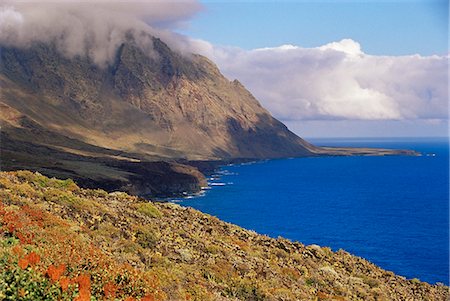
[114,126]
[65,242]
[157,104]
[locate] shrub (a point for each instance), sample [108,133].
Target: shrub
[42,181]
[244,289]
[25,190]
[67,184]
[27,176]
[212,249]
[18,283]
[149,210]
[146,237]
[313,282]
[371,282]
[61,197]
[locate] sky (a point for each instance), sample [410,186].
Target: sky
[325,68]
[404,42]
[382,27]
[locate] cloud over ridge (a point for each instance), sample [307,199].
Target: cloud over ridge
[94,28]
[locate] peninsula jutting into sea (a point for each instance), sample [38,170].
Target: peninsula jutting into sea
[103,112]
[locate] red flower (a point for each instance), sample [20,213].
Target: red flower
[110,290]
[64,283]
[84,288]
[148,298]
[33,258]
[23,263]
[56,272]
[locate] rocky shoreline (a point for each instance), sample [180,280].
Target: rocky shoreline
[118,171]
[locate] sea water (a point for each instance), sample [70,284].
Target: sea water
[392,210]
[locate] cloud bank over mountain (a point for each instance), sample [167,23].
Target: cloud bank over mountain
[339,81]
[93,28]
[336,81]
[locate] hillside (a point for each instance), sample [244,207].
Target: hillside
[63,242]
[123,126]
[158,104]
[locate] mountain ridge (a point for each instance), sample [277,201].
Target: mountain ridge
[70,118]
[174,103]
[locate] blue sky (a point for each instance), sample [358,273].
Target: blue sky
[373,85]
[381,27]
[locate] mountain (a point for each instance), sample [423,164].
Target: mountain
[68,117]
[61,242]
[159,105]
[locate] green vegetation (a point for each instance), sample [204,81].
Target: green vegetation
[148,209]
[60,242]
[18,283]
[146,237]
[42,181]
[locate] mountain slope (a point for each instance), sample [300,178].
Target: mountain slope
[158,104]
[121,126]
[63,242]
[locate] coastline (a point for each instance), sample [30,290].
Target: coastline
[246,199]
[136,174]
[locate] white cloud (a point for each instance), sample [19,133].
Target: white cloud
[338,81]
[94,28]
[348,46]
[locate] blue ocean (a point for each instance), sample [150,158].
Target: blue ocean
[393,211]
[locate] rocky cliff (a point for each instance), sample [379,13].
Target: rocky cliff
[121,126]
[159,104]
